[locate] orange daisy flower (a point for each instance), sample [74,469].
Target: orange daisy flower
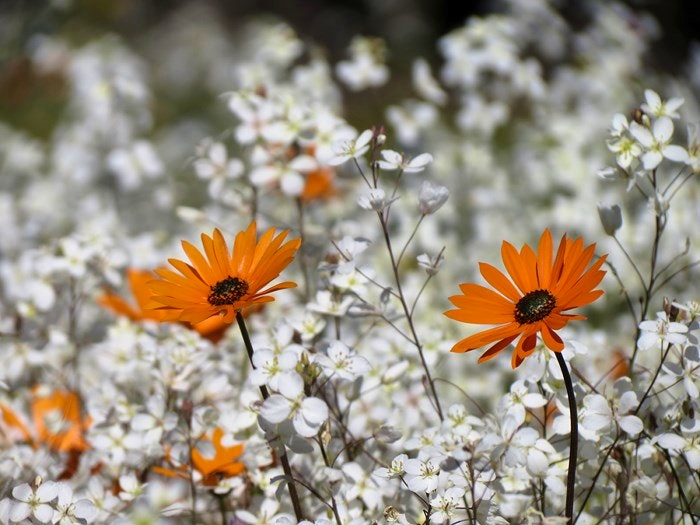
[224,463]
[219,282]
[213,328]
[532,301]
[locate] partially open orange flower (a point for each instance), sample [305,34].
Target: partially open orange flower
[212,329]
[219,282]
[319,185]
[138,283]
[224,463]
[532,301]
[57,422]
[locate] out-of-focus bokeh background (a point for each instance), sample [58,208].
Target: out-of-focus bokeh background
[410,28]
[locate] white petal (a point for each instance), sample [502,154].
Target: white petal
[651,159]
[47,491]
[675,153]
[537,463]
[671,441]
[642,135]
[20,512]
[142,422]
[314,410]
[43,513]
[65,494]
[419,162]
[595,421]
[363,139]
[275,409]
[303,427]
[22,492]
[652,98]
[628,401]
[663,129]
[691,388]
[264,175]
[693,457]
[392,157]
[631,424]
[86,510]
[534,400]
[291,385]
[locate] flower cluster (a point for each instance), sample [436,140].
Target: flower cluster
[228,292]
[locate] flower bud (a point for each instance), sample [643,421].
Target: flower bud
[431,197]
[610,218]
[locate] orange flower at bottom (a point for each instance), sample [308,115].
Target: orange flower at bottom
[222,465]
[532,301]
[219,282]
[57,422]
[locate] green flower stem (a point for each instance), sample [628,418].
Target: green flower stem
[294,495]
[573,440]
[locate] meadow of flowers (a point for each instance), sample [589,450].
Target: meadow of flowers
[280,304]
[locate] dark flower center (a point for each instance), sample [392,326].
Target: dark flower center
[534,306]
[227,291]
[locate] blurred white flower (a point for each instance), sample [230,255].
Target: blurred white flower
[396,469]
[431,265]
[214,165]
[33,502]
[393,160]
[444,505]
[610,218]
[156,421]
[331,304]
[516,403]
[366,67]
[599,415]
[655,333]
[687,371]
[655,107]
[373,199]
[307,413]
[350,247]
[345,149]
[410,119]
[425,84]
[431,197]
[341,361]
[69,511]
[422,475]
[689,446]
[363,485]
[270,367]
[134,163]
[131,487]
[656,143]
[309,326]
[254,112]
[290,175]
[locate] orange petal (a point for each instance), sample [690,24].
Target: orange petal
[499,281]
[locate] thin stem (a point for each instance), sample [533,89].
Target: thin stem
[296,503]
[413,234]
[573,439]
[409,317]
[629,259]
[334,505]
